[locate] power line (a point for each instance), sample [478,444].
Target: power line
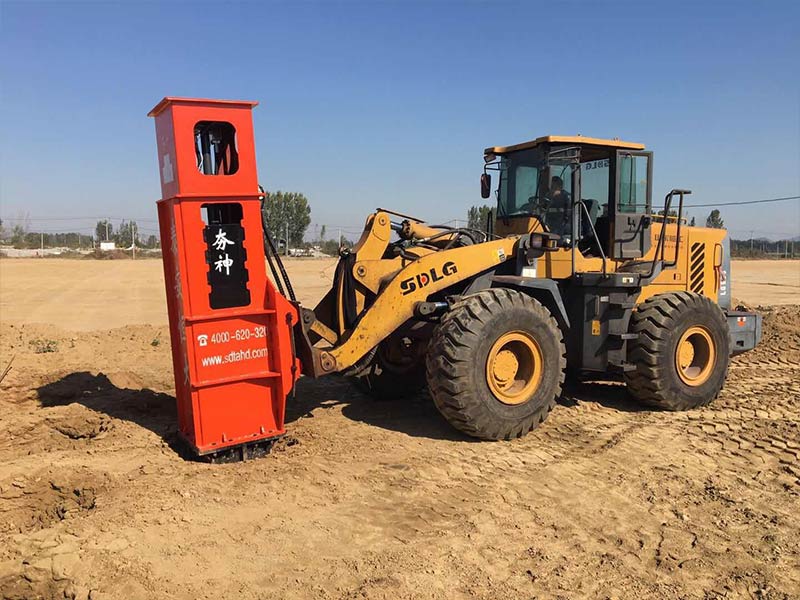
[743,202]
[351,228]
[751,230]
[45,219]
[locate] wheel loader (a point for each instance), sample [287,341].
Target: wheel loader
[575,274]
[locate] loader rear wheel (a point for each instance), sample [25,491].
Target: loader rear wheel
[495,364]
[682,352]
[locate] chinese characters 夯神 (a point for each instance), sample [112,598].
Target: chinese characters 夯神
[221,242]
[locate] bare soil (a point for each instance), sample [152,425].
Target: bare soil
[370,499]
[767,281]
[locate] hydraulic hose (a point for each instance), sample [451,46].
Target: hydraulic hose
[273,258]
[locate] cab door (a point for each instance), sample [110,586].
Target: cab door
[632,204]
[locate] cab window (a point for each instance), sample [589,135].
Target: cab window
[633,184]
[519,177]
[594,182]
[525,188]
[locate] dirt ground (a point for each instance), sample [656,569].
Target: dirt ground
[767,281]
[83,295]
[369,499]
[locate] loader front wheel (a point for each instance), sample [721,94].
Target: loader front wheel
[682,352]
[495,364]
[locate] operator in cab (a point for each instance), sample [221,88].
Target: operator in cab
[558,213]
[558,195]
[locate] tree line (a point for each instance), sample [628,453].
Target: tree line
[123,236]
[21,236]
[287,216]
[31,239]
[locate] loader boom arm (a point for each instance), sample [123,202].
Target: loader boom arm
[389,290]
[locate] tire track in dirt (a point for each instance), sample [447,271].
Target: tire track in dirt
[577,441]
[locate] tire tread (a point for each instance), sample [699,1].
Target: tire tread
[654,319]
[458,332]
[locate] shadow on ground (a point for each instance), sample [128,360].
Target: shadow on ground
[414,415]
[609,394]
[155,411]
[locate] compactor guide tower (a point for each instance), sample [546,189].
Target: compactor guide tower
[575,273]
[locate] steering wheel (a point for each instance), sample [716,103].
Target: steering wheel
[536,205]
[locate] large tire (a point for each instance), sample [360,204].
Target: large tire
[682,352]
[467,347]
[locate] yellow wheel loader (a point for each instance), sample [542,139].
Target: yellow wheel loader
[574,271]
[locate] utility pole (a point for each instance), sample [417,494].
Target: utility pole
[287,238]
[107,220]
[133,239]
[751,241]
[42,243]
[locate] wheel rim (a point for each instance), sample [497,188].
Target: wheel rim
[695,356]
[514,367]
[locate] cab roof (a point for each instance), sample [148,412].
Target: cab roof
[564,139]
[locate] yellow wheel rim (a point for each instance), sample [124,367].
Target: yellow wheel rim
[695,356]
[514,367]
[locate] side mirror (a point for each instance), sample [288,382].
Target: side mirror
[486,185]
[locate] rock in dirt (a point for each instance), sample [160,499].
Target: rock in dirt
[65,565]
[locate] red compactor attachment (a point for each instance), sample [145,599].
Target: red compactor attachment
[231,330]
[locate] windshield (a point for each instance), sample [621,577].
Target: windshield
[529,189]
[519,180]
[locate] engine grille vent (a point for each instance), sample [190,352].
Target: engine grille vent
[697,262]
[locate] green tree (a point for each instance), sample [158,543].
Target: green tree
[125,234]
[282,208]
[331,247]
[714,220]
[477,217]
[18,236]
[322,233]
[104,231]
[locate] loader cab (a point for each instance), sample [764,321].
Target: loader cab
[594,194]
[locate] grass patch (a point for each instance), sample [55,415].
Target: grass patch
[44,346]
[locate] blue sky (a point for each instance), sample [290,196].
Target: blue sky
[391,104]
